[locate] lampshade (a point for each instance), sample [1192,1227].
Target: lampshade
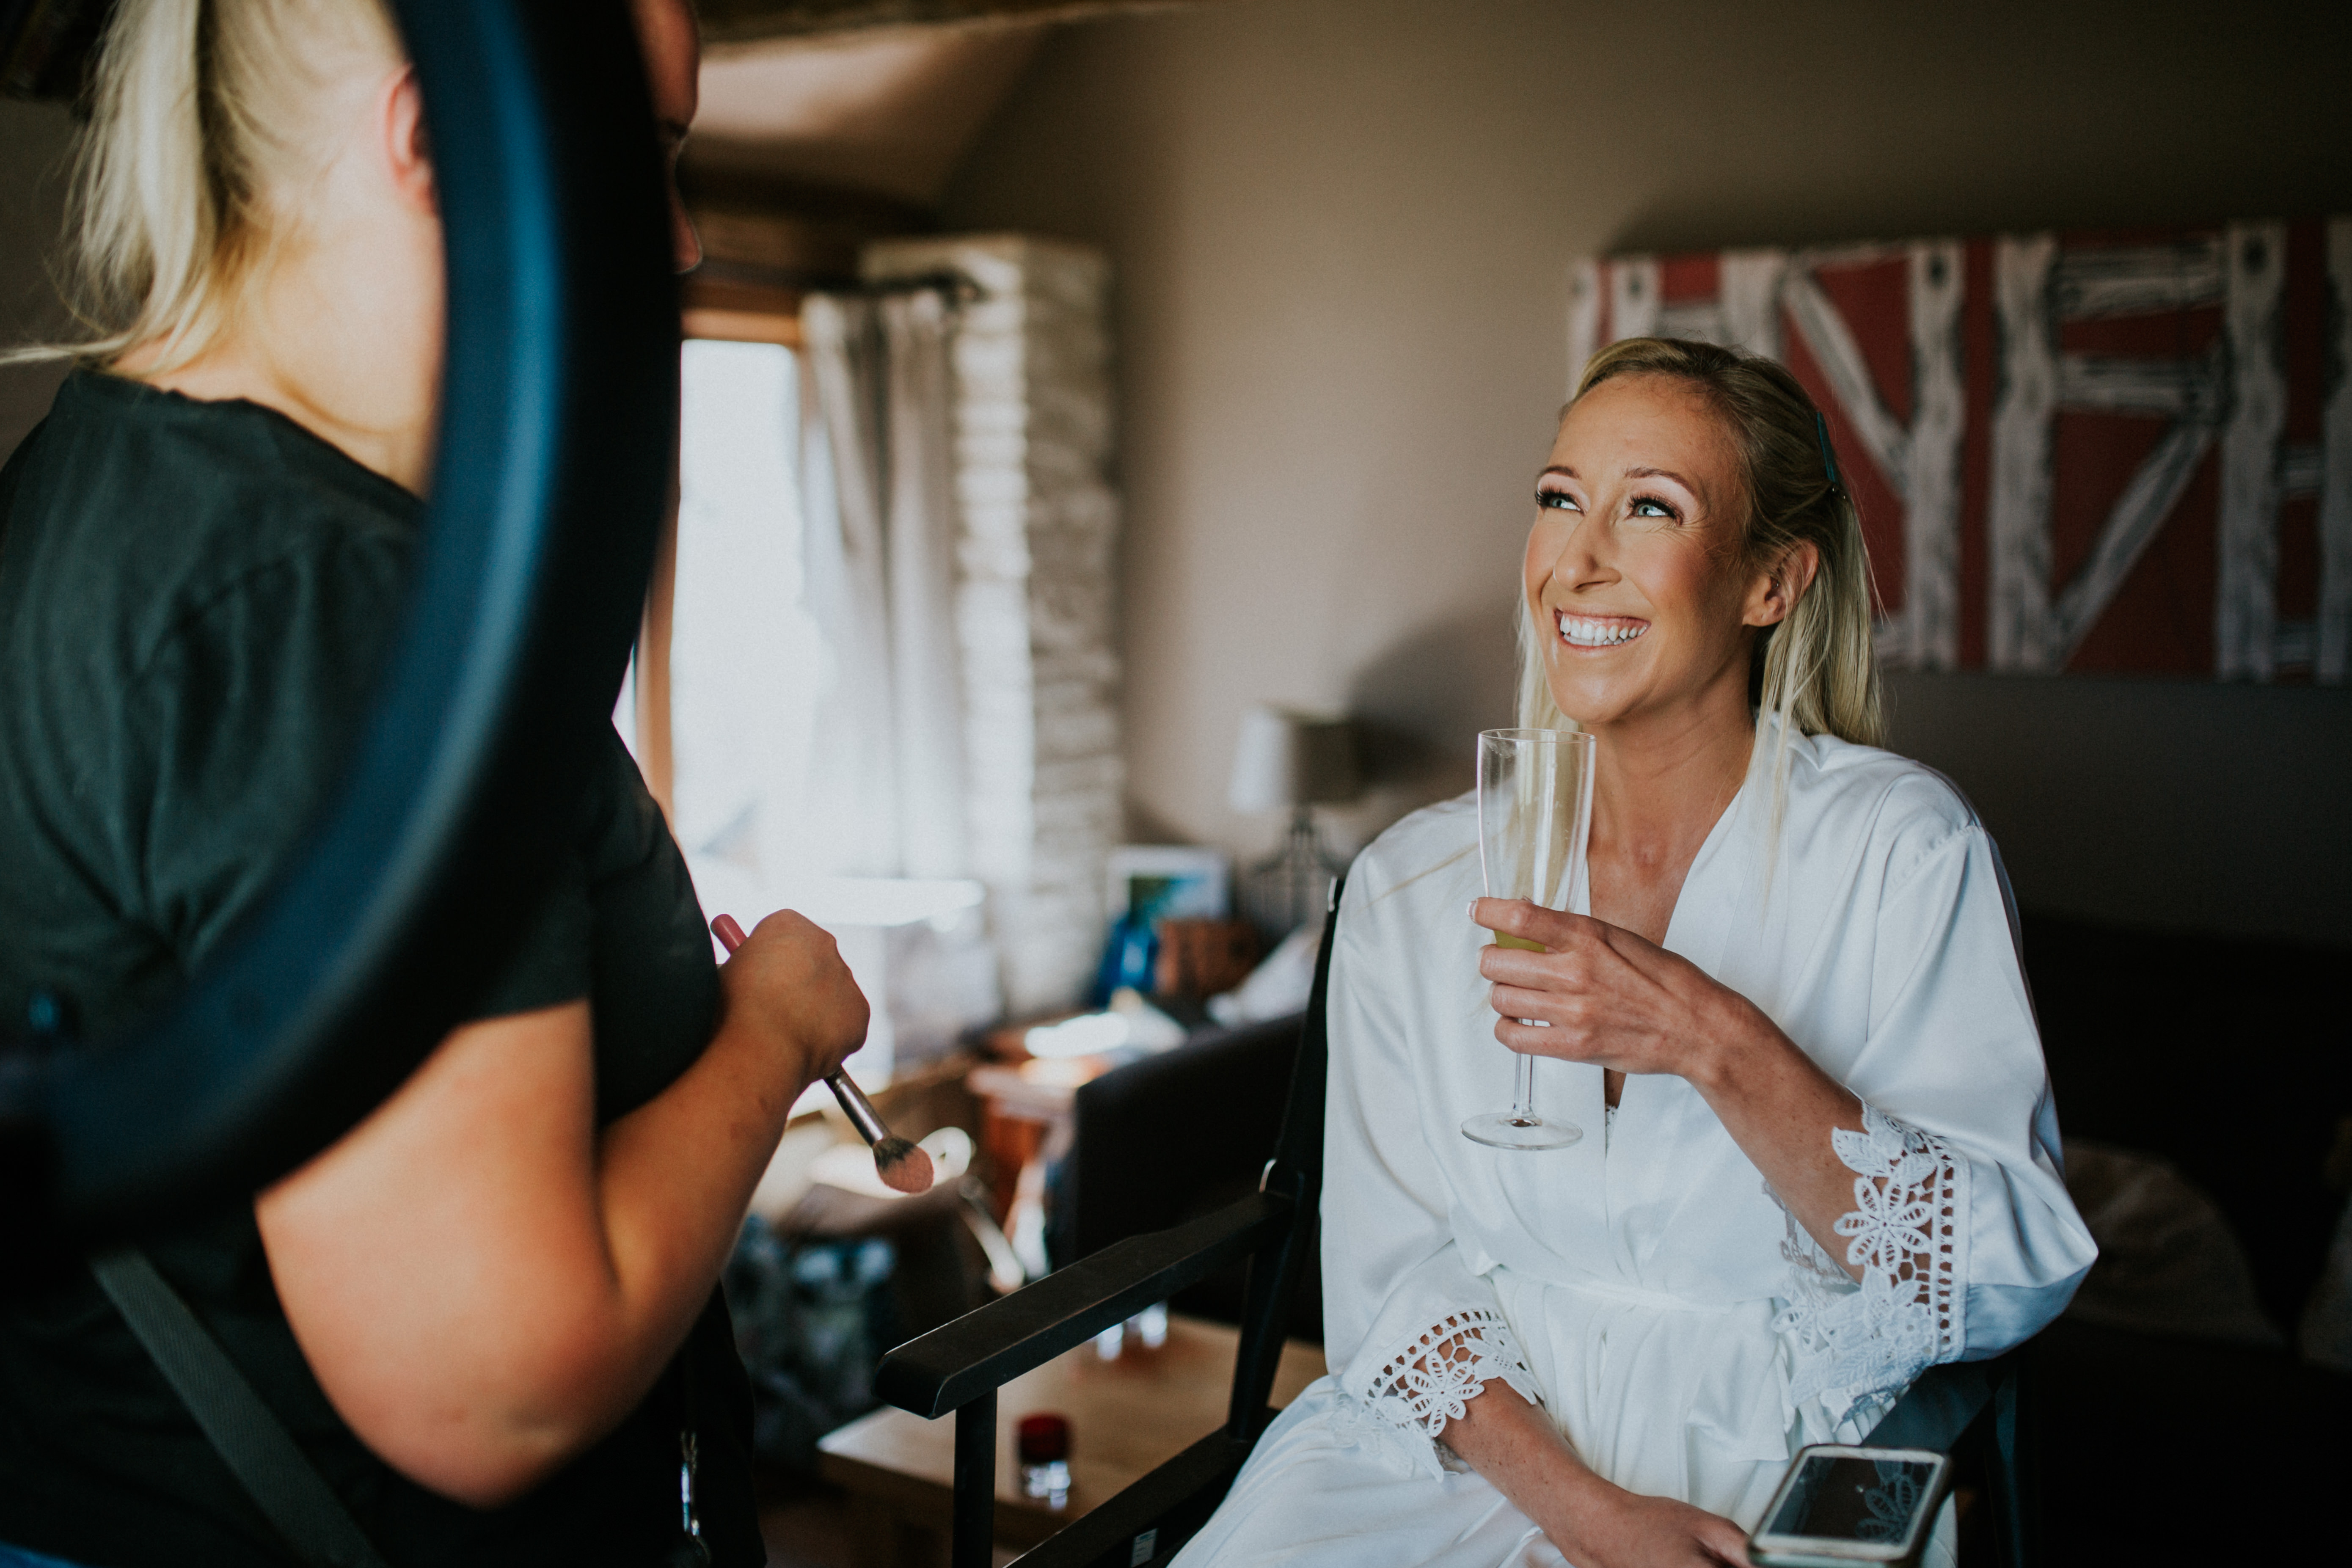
[1287,759]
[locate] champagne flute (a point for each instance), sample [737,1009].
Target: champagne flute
[1535,810]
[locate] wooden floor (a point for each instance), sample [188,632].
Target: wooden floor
[806,1524]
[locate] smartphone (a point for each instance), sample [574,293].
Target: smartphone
[1841,1505]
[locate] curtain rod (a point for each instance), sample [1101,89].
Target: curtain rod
[960,287]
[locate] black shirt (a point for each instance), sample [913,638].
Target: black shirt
[194,600]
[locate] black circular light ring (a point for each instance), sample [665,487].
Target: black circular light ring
[557,424]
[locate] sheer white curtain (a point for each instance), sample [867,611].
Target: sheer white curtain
[886,794]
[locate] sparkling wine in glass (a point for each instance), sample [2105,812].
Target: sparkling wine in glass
[1535,809]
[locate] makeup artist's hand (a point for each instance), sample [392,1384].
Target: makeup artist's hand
[1604,995]
[788,982]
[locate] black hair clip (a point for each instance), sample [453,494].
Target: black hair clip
[1829,458]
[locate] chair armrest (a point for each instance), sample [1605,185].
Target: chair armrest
[1941,1402]
[984,1350]
[1172,1502]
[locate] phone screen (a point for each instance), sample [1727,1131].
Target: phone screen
[1840,1499]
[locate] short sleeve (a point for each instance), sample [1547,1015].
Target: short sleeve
[255,703]
[240,726]
[550,965]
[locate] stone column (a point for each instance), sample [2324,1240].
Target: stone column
[1033,594]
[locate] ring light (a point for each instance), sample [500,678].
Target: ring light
[558,414]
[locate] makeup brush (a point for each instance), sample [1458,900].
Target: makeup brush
[904,1167]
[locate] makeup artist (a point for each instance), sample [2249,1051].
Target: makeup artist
[475,1314]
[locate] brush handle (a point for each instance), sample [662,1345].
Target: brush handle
[854,1103]
[857,1108]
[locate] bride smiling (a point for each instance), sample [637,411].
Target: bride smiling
[1791,1007]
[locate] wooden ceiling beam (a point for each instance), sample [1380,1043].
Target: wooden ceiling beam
[749,21]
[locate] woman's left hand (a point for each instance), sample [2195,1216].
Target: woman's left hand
[1604,995]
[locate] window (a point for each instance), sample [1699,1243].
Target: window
[746,661]
[746,666]
[786,748]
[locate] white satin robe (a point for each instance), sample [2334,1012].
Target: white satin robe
[1643,1285]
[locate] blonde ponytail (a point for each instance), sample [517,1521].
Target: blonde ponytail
[203,129]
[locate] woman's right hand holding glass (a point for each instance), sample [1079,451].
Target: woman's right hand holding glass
[788,984]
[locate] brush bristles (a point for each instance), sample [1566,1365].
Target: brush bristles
[903,1166]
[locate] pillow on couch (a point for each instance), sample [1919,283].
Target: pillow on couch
[2326,1336]
[2327,1320]
[2168,1261]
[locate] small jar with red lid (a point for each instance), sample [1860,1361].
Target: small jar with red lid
[1043,1443]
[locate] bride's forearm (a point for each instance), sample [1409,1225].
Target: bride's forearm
[1780,1108]
[1515,1447]
[1593,1521]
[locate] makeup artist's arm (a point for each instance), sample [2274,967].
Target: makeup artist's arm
[483,1281]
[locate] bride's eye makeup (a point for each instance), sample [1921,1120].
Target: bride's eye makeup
[1654,508]
[1559,500]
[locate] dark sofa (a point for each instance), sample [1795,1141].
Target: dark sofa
[1176,1136]
[2232,1061]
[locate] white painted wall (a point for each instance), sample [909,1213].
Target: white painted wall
[1341,232]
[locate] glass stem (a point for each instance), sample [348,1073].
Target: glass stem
[1523,1101]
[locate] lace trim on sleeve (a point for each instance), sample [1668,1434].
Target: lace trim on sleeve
[1867,1342]
[1431,1379]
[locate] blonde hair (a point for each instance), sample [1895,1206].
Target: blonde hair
[1815,671]
[204,134]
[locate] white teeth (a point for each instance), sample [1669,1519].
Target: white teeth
[1579,632]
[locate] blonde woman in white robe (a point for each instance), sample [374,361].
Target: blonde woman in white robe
[1820,1152]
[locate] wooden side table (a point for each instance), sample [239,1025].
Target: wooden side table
[1025,1124]
[1126,1418]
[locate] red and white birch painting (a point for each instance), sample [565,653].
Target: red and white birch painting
[2103,452]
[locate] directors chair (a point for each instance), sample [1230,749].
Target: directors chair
[1974,1410]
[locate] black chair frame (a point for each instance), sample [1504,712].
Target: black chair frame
[1977,1410]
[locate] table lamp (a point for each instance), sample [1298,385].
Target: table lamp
[1294,761]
